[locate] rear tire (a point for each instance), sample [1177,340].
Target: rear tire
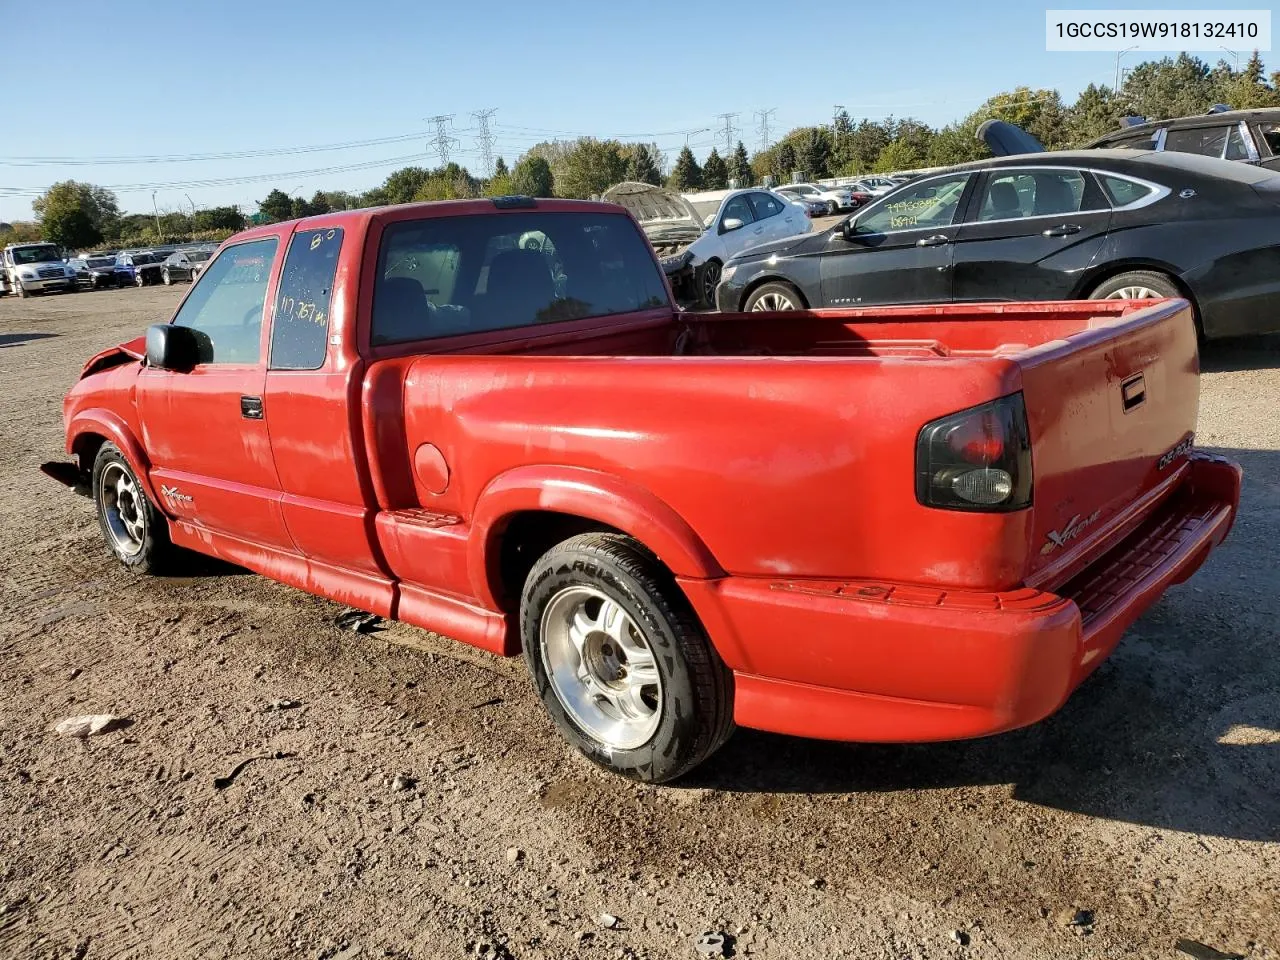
[774,296]
[140,279]
[620,660]
[1136,285]
[135,531]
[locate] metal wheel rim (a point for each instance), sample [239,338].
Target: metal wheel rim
[167,279]
[601,667]
[139,280]
[773,301]
[121,504]
[710,278]
[1134,292]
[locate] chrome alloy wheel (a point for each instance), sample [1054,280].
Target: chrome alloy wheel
[1133,293]
[773,301]
[121,504]
[601,667]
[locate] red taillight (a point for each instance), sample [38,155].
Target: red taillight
[978,459]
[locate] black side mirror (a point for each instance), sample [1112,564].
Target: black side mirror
[849,231]
[172,347]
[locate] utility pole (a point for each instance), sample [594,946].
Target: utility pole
[728,119]
[835,117]
[484,139]
[1234,56]
[763,116]
[157,210]
[443,142]
[691,133]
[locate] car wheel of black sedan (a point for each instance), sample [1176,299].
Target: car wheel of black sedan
[774,296]
[1136,285]
[168,280]
[140,279]
[708,280]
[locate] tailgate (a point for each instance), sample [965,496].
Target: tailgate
[1111,411]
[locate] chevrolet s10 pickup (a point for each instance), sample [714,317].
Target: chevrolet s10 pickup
[487,418]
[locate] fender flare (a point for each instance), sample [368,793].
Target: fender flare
[112,426]
[591,494]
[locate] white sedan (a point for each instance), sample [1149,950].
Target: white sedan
[693,252]
[835,198]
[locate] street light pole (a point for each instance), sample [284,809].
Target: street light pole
[1234,56]
[1119,54]
[192,202]
[157,211]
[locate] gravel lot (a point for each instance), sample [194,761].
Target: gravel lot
[1145,812]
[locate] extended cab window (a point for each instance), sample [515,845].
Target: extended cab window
[226,305]
[930,204]
[300,328]
[447,276]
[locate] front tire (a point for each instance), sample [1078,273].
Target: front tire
[775,296]
[135,531]
[168,280]
[620,660]
[832,208]
[708,280]
[140,279]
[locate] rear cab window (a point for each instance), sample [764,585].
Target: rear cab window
[300,329]
[452,276]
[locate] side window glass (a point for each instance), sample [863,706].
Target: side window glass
[921,206]
[1206,141]
[765,206]
[1236,150]
[738,208]
[1124,192]
[225,307]
[1007,197]
[300,327]
[1270,134]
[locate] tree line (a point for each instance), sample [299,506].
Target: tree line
[80,215]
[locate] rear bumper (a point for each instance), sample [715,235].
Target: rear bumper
[896,663]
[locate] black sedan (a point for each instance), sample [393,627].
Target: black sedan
[184,265]
[1120,224]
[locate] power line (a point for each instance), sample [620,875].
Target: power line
[484,139]
[728,119]
[121,160]
[763,116]
[443,141]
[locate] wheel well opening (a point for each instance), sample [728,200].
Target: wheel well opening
[523,539]
[86,447]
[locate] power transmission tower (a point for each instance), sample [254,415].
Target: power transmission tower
[728,119]
[763,116]
[484,139]
[443,142]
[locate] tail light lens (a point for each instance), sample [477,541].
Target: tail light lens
[978,459]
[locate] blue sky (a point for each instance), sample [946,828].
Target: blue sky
[224,76]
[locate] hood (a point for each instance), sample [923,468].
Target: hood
[133,350]
[1007,140]
[661,213]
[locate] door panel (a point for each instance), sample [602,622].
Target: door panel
[206,429]
[1030,234]
[900,250]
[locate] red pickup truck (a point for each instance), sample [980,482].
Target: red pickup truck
[486,418]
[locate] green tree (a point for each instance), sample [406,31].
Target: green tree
[715,172]
[687,175]
[499,185]
[784,162]
[591,168]
[957,143]
[77,209]
[642,166]
[402,185]
[865,141]
[500,169]
[319,203]
[218,218]
[898,155]
[740,167]
[1171,87]
[814,153]
[1246,90]
[532,177]
[1096,111]
[276,206]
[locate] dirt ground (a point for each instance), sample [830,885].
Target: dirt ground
[1148,810]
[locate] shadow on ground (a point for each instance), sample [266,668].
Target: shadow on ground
[17,339]
[1180,730]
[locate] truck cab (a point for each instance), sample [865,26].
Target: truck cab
[32,268]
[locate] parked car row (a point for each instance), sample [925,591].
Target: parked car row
[31,268]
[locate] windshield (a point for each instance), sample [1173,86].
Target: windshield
[47,253]
[199,256]
[98,263]
[139,258]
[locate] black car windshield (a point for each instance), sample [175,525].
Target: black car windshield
[199,256]
[141,258]
[42,254]
[99,262]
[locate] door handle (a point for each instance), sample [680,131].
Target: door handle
[1062,230]
[251,408]
[937,240]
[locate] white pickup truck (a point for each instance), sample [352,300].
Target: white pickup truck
[37,268]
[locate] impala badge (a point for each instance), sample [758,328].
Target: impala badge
[1074,527]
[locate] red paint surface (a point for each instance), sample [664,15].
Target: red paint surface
[770,467]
